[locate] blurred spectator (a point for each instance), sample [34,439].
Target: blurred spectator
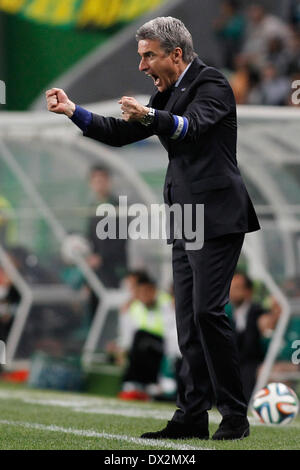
[109,257]
[7,222]
[268,321]
[118,349]
[245,83]
[277,55]
[170,380]
[294,54]
[269,61]
[283,370]
[274,88]
[141,338]
[261,29]
[230,28]
[9,301]
[30,266]
[130,284]
[245,319]
[295,13]
[291,287]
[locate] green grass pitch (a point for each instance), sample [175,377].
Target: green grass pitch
[36,419]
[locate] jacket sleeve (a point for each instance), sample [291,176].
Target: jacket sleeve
[116,132]
[212,102]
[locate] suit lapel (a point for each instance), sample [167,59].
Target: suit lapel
[176,92]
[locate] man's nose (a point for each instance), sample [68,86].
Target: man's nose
[143,66]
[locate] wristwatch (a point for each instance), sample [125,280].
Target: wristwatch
[148,118]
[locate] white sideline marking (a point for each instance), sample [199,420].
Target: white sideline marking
[100,406]
[103,435]
[130,412]
[108,406]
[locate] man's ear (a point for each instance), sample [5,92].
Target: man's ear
[177,54]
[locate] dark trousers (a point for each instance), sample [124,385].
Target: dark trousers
[210,367]
[248,376]
[144,358]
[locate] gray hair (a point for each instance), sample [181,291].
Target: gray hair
[171,33]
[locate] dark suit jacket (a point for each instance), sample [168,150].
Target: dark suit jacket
[202,166]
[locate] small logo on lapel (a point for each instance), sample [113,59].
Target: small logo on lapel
[183,89]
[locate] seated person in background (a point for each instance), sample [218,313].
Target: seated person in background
[141,337]
[170,380]
[118,349]
[130,284]
[245,319]
[287,361]
[9,301]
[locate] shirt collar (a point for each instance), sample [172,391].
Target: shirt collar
[241,315]
[182,75]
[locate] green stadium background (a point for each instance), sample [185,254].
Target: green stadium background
[32,31]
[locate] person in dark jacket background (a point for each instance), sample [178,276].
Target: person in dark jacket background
[245,319]
[109,256]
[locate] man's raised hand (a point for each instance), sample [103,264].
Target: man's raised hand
[132,110]
[58,102]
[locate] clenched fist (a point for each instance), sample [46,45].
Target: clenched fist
[132,110]
[58,102]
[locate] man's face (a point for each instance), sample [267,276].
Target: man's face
[146,293]
[100,183]
[256,13]
[239,292]
[131,284]
[159,65]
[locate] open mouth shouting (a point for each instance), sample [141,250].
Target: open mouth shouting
[155,78]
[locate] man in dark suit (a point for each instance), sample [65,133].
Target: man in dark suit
[193,113]
[245,320]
